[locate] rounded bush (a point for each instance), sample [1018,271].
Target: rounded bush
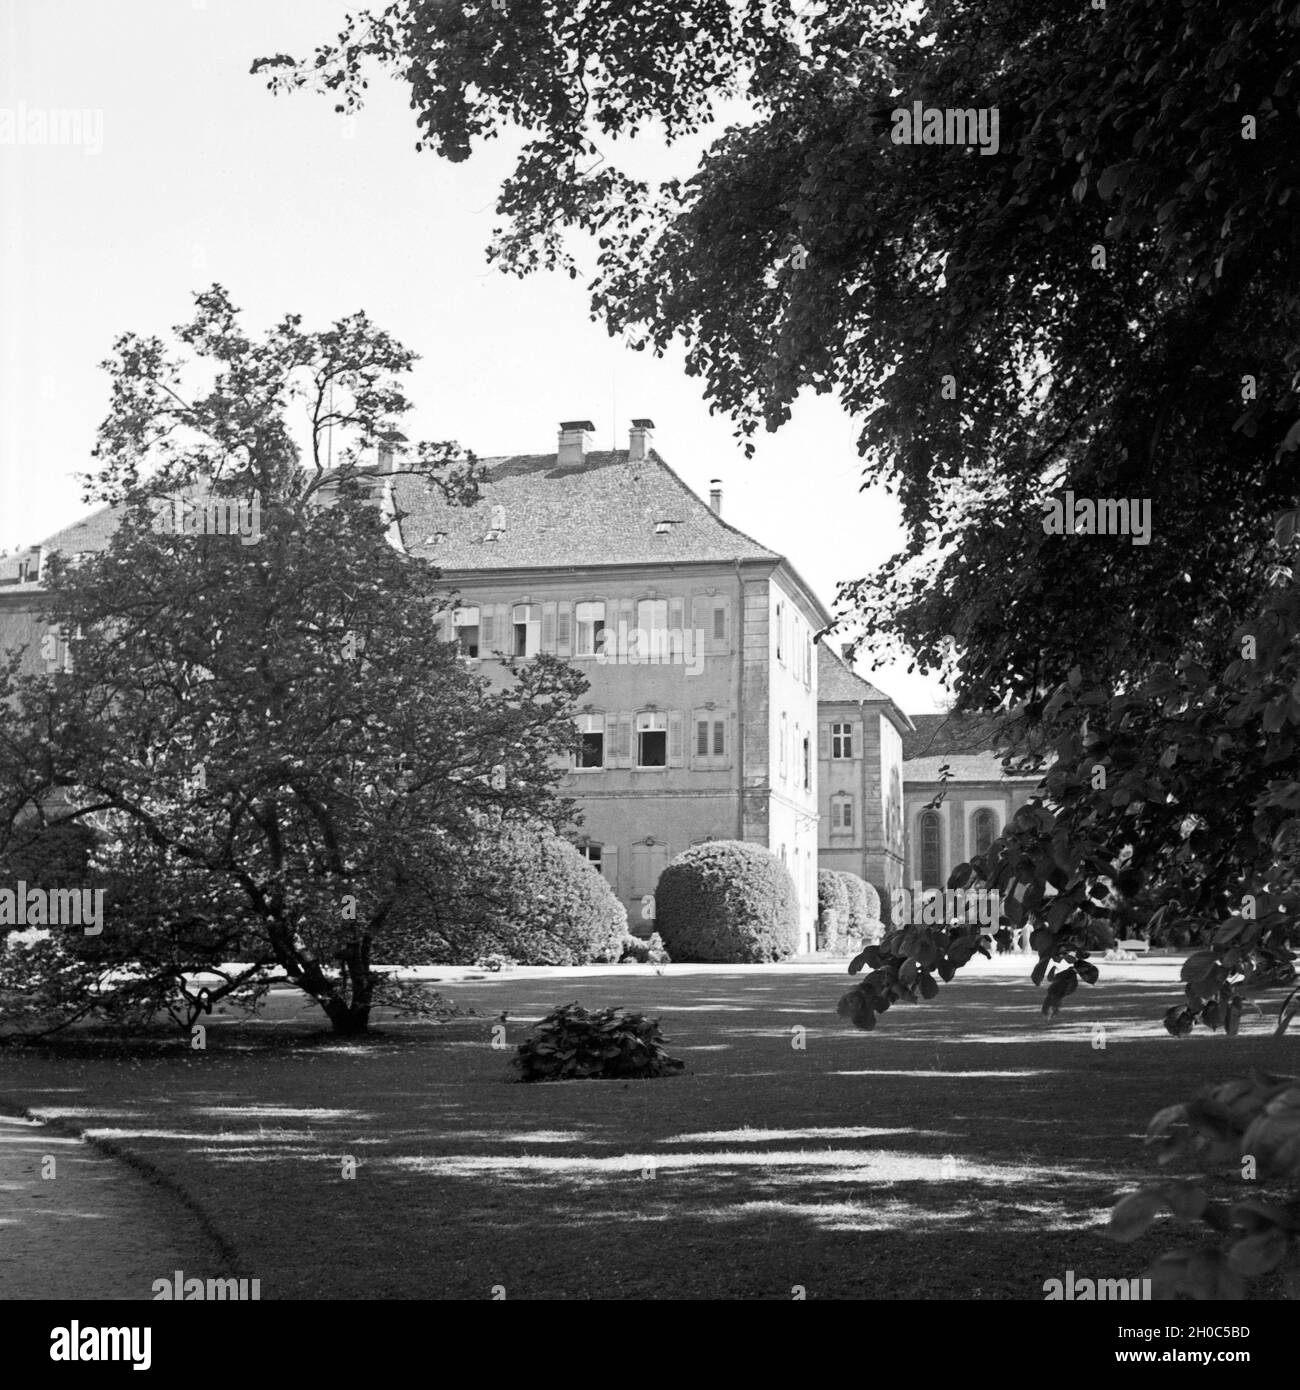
[727,903]
[832,908]
[573,1043]
[531,897]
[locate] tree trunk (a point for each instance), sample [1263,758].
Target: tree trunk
[349,1020]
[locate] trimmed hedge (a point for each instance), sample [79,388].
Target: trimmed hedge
[726,902]
[832,898]
[531,897]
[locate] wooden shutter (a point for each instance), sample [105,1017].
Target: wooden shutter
[564,629]
[505,629]
[676,614]
[609,865]
[611,740]
[445,623]
[548,627]
[719,738]
[824,742]
[676,753]
[623,746]
[721,624]
[487,638]
[856,730]
[701,736]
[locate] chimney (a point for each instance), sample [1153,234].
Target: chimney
[639,440]
[390,442]
[715,495]
[575,440]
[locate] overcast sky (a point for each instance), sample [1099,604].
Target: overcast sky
[189,171]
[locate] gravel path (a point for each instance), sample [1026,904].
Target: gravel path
[95,1230]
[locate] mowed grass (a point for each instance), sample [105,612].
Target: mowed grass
[967,1149]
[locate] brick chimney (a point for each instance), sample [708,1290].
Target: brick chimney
[390,442]
[638,445]
[715,495]
[575,440]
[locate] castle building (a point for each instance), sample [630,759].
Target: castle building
[713,710]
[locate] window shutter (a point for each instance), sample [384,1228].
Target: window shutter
[505,631]
[564,630]
[445,623]
[548,627]
[824,742]
[624,745]
[609,865]
[856,730]
[675,751]
[719,738]
[701,737]
[721,623]
[677,614]
[611,740]
[487,639]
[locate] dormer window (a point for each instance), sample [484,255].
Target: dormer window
[664,528]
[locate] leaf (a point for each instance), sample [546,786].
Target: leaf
[1132,1216]
[1259,1253]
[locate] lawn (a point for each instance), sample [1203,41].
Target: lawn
[967,1149]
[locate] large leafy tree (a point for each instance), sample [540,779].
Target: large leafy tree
[274,745]
[1107,305]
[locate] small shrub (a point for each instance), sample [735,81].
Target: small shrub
[607,1044]
[832,909]
[495,961]
[642,950]
[727,902]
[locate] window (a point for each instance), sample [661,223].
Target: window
[983,830]
[593,854]
[591,751]
[527,620]
[590,618]
[842,812]
[785,741]
[931,849]
[720,624]
[465,626]
[807,762]
[701,738]
[651,635]
[652,740]
[780,632]
[841,740]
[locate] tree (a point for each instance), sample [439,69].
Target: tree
[1117,282]
[275,744]
[1104,308]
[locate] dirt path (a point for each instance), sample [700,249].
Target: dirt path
[96,1229]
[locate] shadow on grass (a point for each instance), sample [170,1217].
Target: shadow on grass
[968,1148]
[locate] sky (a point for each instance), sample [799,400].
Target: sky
[173,167]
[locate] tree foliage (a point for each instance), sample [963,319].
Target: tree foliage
[275,744]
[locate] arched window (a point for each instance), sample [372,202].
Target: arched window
[931,850]
[983,830]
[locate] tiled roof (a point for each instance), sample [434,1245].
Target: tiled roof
[837,681]
[602,511]
[92,533]
[962,767]
[950,733]
[962,742]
